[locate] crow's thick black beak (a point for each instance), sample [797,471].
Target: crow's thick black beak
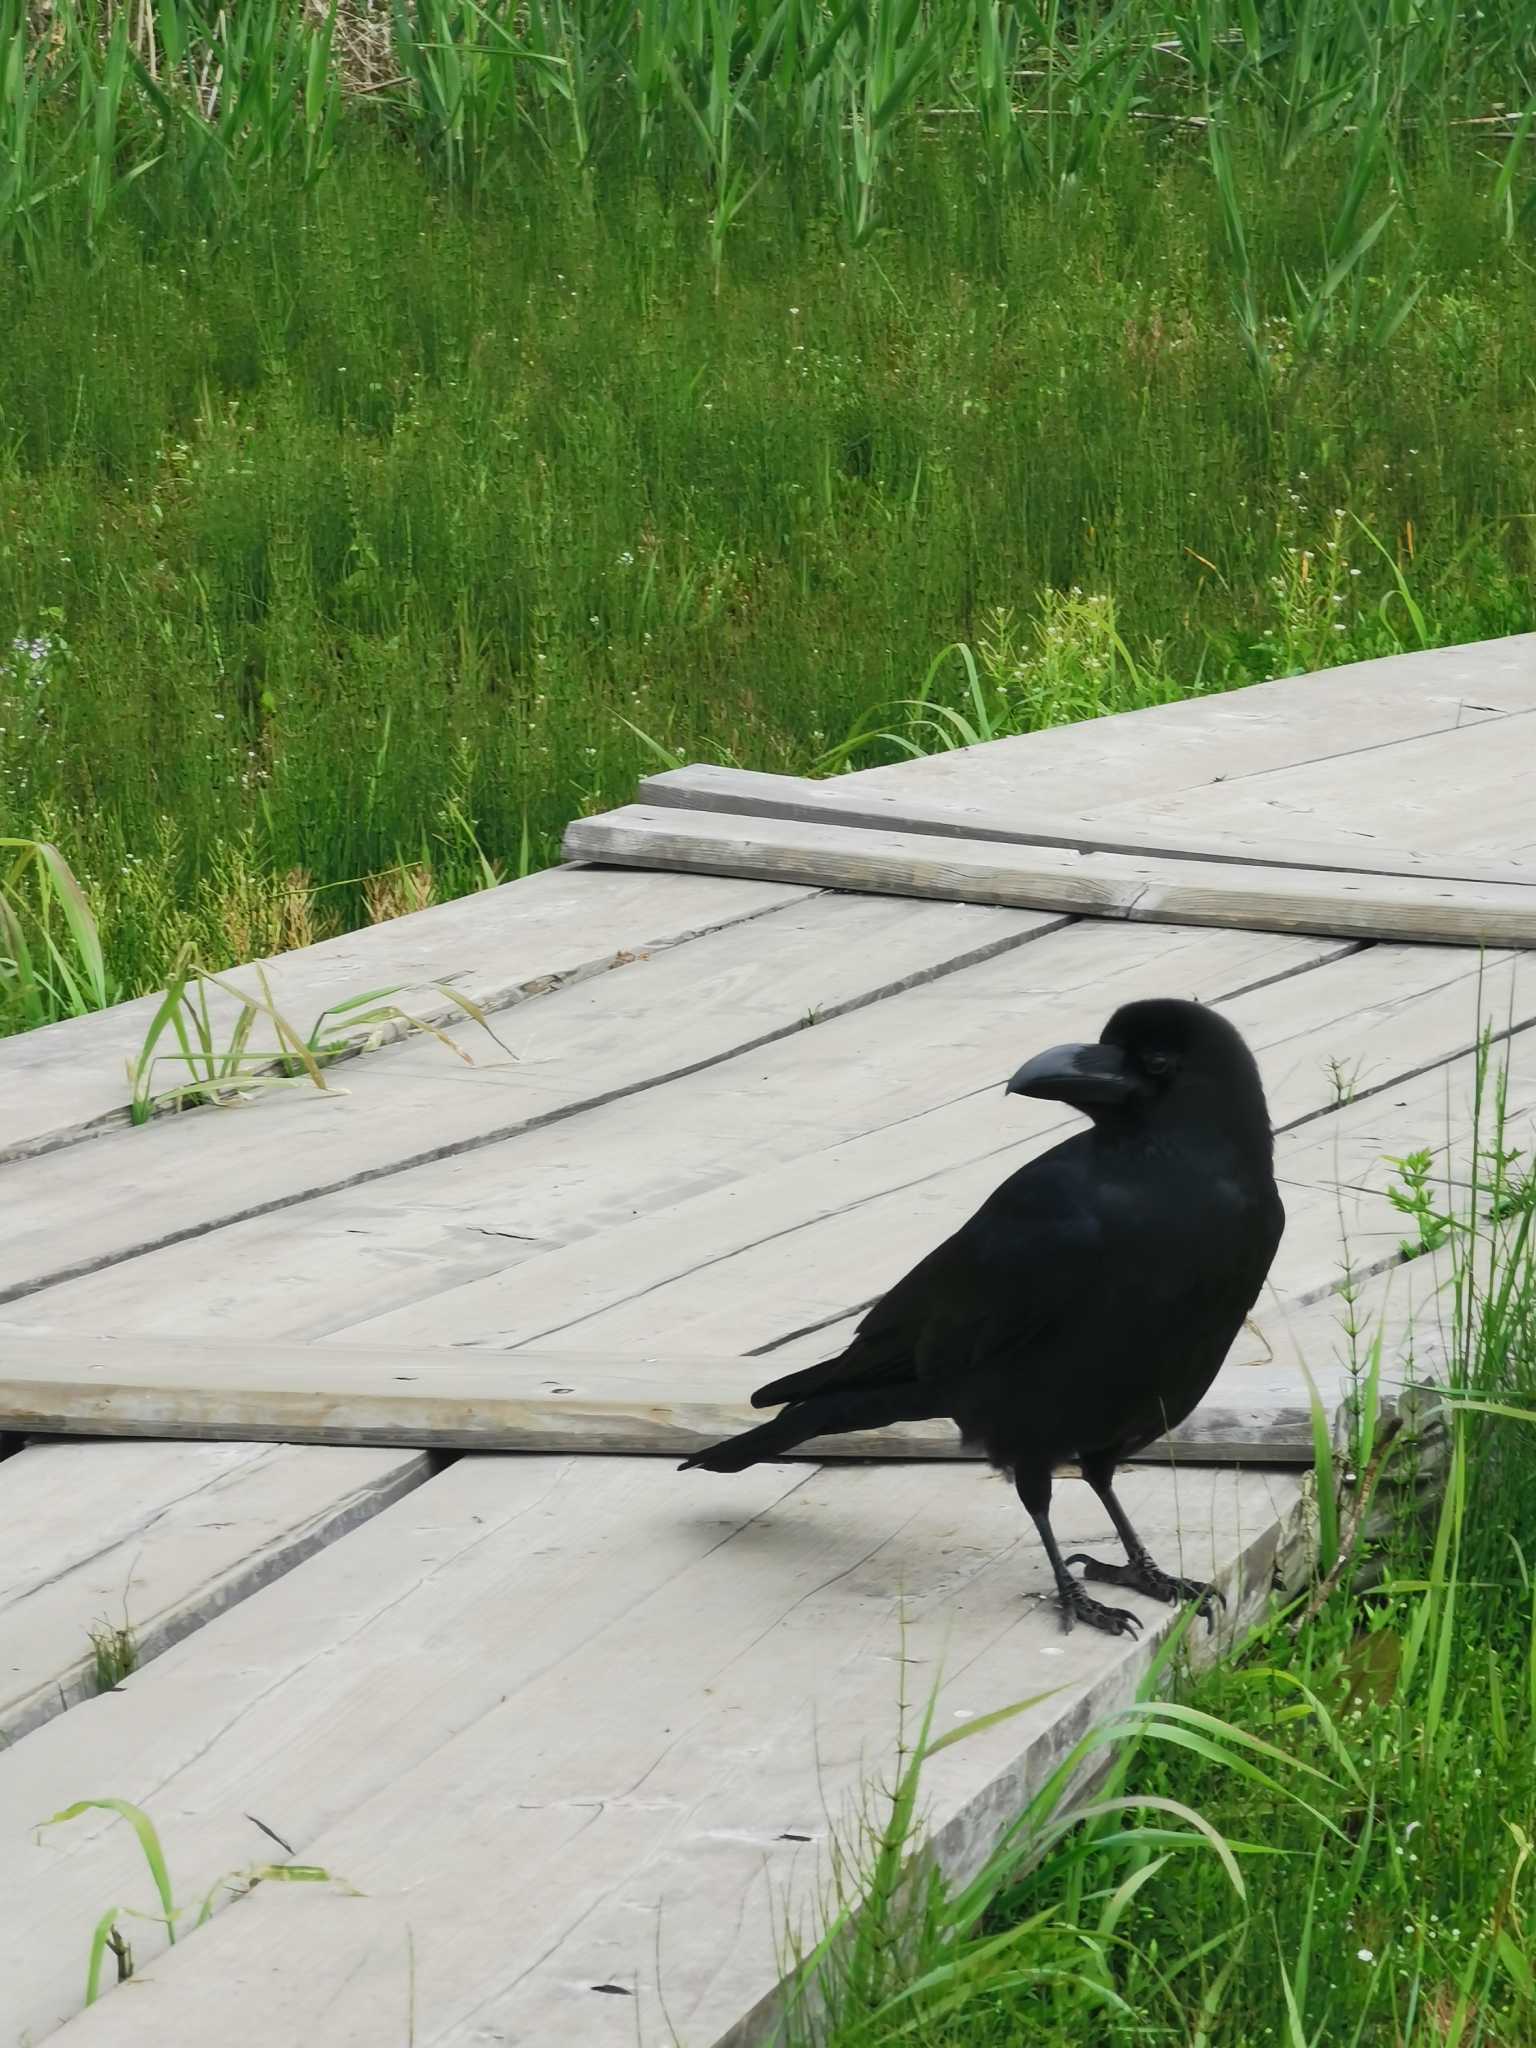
[1087,1076]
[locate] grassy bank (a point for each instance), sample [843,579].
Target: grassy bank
[360,511]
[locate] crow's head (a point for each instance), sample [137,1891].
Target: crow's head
[1152,1058]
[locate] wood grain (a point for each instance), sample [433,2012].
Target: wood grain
[234,1390]
[1458,797]
[843,800]
[1056,879]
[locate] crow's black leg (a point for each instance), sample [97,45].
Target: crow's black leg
[1138,1572]
[1034,1490]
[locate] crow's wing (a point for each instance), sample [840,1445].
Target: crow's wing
[1022,1265]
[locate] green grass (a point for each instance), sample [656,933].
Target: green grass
[360,513]
[114,1653]
[190,1055]
[110,1934]
[51,960]
[1362,1878]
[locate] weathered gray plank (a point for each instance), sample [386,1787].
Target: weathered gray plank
[157,1541]
[897,1097]
[223,1389]
[446,1679]
[844,800]
[677,1881]
[1350,714]
[658,1016]
[498,947]
[741,1269]
[749,1285]
[890,1068]
[1455,796]
[1056,878]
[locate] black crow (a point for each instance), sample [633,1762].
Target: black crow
[1088,1304]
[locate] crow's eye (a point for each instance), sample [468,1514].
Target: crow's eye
[1157,1063]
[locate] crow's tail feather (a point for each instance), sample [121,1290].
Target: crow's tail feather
[823,1415]
[736,1453]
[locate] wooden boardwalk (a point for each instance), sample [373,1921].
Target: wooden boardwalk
[571,1727]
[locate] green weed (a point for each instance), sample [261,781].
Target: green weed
[51,960]
[107,1937]
[114,1653]
[215,1062]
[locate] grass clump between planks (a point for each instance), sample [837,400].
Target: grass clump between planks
[111,1934]
[114,1652]
[1327,1840]
[417,420]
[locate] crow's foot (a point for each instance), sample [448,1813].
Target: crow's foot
[1141,1575]
[1076,1605]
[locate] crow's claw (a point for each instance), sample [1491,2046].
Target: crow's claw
[1141,1575]
[1080,1606]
